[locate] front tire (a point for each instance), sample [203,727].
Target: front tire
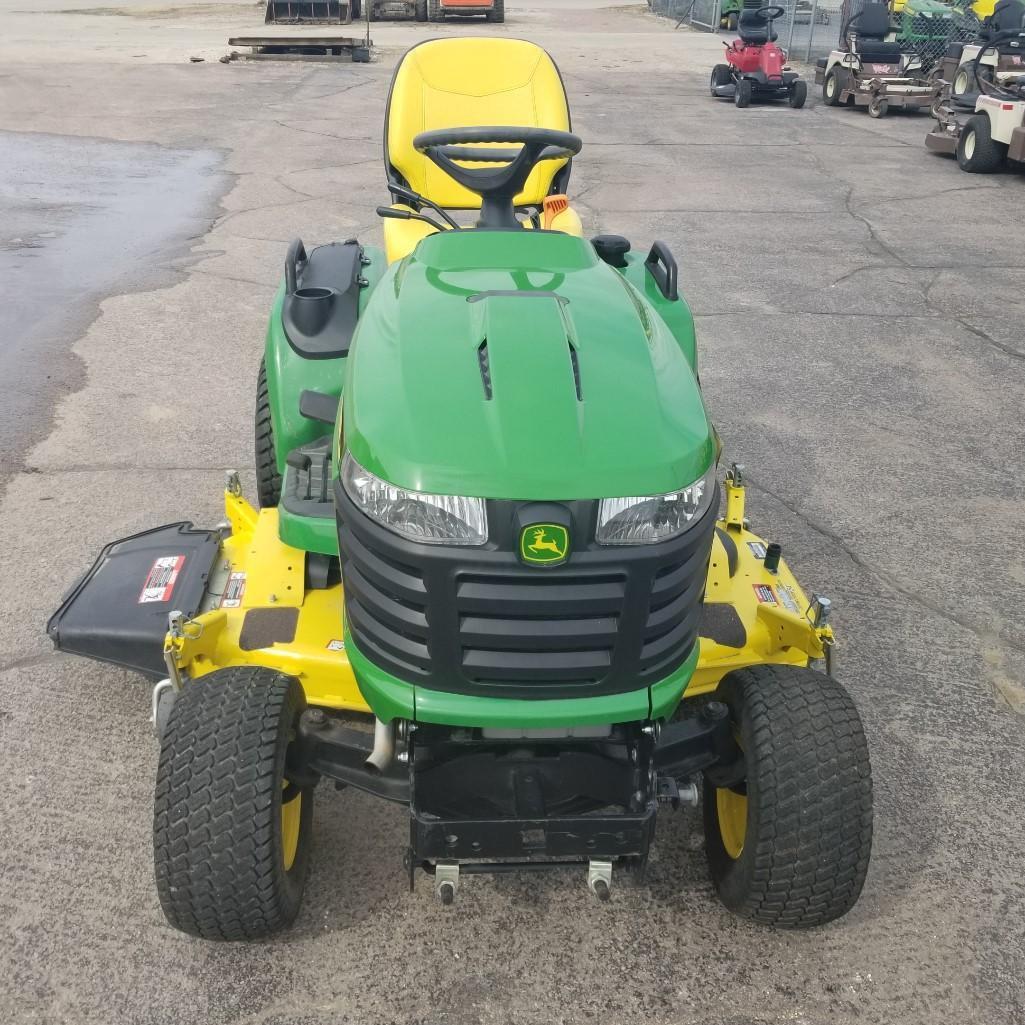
[421,10]
[831,90]
[231,834]
[790,846]
[798,94]
[497,13]
[977,153]
[434,12]
[732,20]
[742,97]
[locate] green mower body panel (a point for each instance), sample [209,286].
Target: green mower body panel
[588,393]
[505,365]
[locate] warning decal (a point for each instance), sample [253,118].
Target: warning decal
[757,549]
[160,582]
[765,594]
[336,645]
[233,590]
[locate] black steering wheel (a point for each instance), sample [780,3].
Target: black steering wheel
[770,12]
[995,89]
[497,186]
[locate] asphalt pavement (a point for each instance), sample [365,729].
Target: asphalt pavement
[859,310]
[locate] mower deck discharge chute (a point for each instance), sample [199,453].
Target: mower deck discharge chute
[490,580]
[756,68]
[871,71]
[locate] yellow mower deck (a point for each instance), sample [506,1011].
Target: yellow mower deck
[259,612]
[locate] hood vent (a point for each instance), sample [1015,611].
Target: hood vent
[485,368]
[576,369]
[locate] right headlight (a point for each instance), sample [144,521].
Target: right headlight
[651,518]
[433,519]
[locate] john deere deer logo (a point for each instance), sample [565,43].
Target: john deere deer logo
[544,543]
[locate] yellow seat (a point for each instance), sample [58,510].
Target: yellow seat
[470,82]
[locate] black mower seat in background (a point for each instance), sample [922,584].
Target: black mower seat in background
[1007,16]
[753,30]
[876,52]
[872,22]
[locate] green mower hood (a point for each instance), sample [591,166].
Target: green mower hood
[553,381]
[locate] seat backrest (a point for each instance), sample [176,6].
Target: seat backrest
[873,22]
[470,82]
[753,28]
[1007,16]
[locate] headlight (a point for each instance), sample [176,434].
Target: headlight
[434,519]
[636,521]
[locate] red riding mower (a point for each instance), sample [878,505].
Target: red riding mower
[871,71]
[756,68]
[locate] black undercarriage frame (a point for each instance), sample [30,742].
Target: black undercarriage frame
[496,803]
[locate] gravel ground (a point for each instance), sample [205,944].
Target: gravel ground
[860,319]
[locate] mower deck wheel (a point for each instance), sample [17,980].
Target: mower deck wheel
[831,90]
[790,845]
[878,106]
[268,480]
[977,153]
[742,97]
[798,94]
[231,833]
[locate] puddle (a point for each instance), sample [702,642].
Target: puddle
[81,219]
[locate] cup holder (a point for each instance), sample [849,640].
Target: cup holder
[311,308]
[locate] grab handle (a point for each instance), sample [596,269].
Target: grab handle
[661,265]
[295,259]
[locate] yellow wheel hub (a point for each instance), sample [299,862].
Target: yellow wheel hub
[731,808]
[291,814]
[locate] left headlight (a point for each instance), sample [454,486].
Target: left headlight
[645,520]
[433,519]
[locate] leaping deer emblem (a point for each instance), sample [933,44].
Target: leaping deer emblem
[539,544]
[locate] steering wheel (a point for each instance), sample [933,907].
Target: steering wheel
[768,13]
[996,90]
[497,186]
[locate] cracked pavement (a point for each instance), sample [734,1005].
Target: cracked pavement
[859,309]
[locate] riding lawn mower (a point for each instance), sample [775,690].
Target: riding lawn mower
[756,68]
[984,127]
[870,71]
[489,579]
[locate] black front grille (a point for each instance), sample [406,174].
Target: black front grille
[477,620]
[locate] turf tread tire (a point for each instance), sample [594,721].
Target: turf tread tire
[988,156]
[831,99]
[268,480]
[809,788]
[217,839]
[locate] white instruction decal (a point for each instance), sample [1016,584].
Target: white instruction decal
[233,590]
[160,581]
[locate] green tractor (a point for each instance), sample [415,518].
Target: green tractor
[927,27]
[490,580]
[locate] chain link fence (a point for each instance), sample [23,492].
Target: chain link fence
[810,29]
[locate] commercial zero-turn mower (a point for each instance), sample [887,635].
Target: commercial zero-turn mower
[756,68]
[985,127]
[489,579]
[871,72]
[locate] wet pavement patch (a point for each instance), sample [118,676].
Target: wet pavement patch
[81,219]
